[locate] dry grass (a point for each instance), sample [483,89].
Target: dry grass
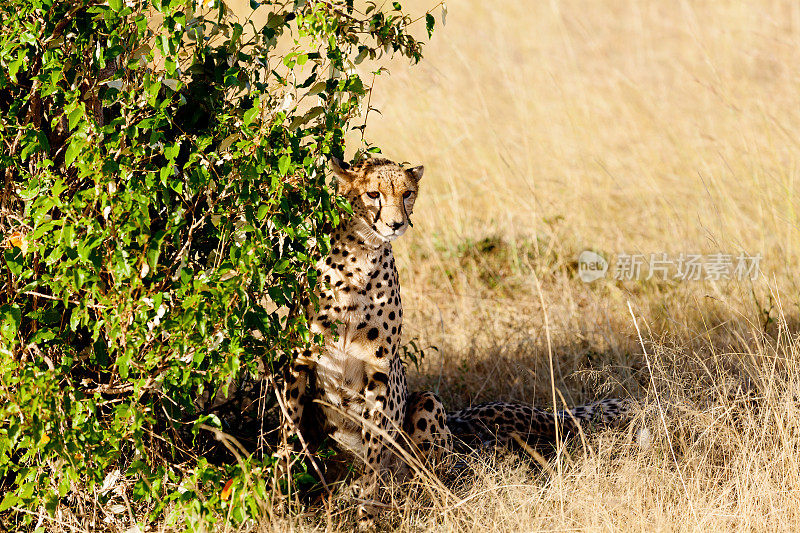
[547,128]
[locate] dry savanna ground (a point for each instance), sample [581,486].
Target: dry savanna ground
[548,128]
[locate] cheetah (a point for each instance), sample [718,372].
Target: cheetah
[354,384]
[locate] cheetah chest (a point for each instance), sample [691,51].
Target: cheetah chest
[365,312]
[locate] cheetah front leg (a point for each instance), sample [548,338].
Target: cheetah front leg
[378,425]
[425,425]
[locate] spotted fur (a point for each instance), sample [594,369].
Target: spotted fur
[495,423]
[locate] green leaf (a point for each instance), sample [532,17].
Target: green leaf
[281,266]
[63,486]
[250,114]
[29,148]
[9,501]
[171,152]
[75,116]
[274,20]
[26,490]
[429,23]
[14,67]
[122,364]
[73,150]
[361,55]
[11,318]
[14,260]
[283,164]
[356,86]
[317,88]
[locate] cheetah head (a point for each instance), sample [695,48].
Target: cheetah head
[382,194]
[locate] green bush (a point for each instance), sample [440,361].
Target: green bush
[163,204]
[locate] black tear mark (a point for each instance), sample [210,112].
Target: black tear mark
[378,214]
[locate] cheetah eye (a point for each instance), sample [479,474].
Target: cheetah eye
[406,195]
[373,194]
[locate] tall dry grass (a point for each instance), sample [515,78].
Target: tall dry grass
[547,128]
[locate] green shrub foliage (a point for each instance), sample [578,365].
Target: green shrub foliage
[163,204]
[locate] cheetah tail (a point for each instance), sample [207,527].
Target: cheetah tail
[495,423]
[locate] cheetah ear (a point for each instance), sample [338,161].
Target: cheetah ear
[342,170]
[416,172]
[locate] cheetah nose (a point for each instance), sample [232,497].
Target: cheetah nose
[396,225]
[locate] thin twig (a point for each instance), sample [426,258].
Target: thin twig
[55,298]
